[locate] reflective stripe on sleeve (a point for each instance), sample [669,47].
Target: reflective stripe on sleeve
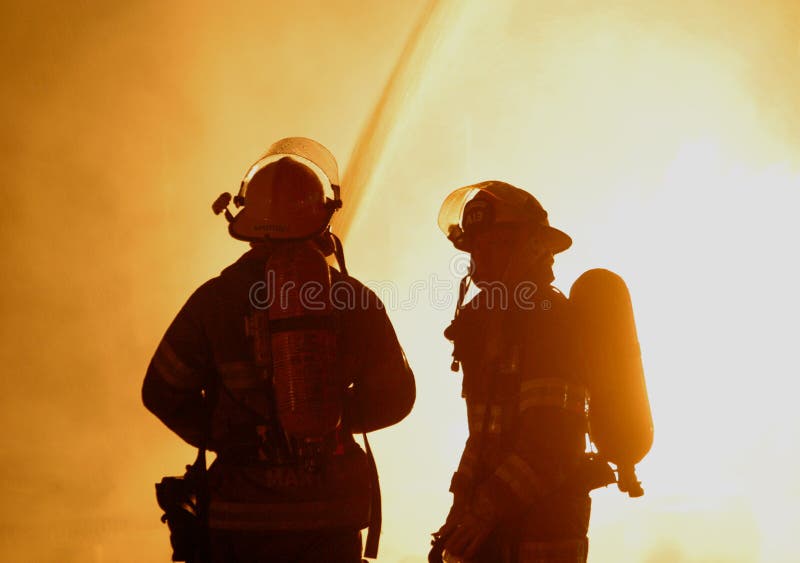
[477,419]
[347,512]
[173,370]
[520,478]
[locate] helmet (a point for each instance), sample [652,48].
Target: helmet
[290,193]
[480,206]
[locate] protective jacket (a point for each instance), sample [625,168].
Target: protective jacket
[253,484]
[526,409]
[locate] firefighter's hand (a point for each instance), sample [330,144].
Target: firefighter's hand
[453,517]
[466,535]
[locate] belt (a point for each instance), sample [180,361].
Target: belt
[336,443]
[350,512]
[564,551]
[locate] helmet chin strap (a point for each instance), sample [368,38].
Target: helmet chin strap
[338,251]
[463,286]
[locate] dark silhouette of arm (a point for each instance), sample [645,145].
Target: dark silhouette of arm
[173,385]
[383,390]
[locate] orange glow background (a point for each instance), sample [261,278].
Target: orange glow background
[663,136]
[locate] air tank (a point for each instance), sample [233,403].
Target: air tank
[621,425]
[308,394]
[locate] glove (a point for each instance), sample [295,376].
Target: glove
[455,515]
[465,535]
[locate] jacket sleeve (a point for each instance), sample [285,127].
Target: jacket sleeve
[549,437]
[174,382]
[462,484]
[536,464]
[383,390]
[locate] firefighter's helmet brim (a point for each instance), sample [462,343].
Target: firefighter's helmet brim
[493,202]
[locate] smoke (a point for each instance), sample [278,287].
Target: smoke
[121,124]
[663,137]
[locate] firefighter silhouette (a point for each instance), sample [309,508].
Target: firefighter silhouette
[268,369]
[532,361]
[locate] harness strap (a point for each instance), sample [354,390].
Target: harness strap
[553,392]
[210,396]
[375,513]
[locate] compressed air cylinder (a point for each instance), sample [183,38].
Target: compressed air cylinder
[301,321]
[620,421]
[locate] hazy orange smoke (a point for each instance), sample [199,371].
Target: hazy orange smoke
[662,137]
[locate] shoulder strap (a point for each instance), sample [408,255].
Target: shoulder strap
[338,250]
